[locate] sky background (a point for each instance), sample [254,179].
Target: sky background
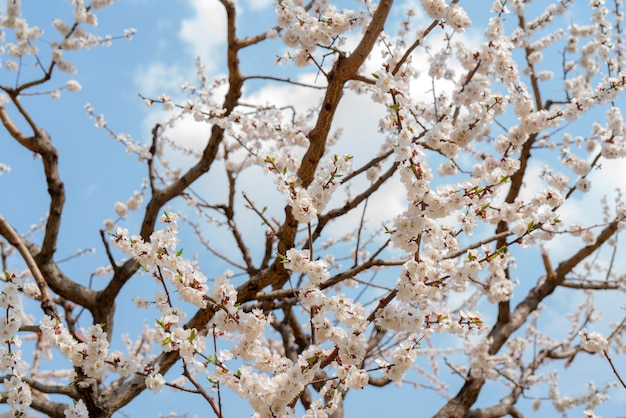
[98,172]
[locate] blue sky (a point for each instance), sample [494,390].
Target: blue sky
[97,171]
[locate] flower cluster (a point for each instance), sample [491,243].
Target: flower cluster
[161,258]
[453,14]
[308,31]
[273,395]
[299,262]
[77,410]
[18,396]
[90,355]
[17,392]
[173,336]
[307,203]
[402,358]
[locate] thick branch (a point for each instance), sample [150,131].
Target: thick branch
[47,304]
[343,70]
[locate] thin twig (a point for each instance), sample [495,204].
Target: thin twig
[217,410]
[606,354]
[265,220]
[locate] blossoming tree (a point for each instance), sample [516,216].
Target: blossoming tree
[304,315]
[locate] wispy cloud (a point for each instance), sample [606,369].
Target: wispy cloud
[157,78]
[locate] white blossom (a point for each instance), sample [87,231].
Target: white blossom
[73,85]
[155,382]
[77,410]
[120,209]
[593,341]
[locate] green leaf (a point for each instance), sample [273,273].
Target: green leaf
[179,253]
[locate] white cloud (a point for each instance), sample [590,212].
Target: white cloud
[158,78]
[202,34]
[610,177]
[205,31]
[279,95]
[256,5]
